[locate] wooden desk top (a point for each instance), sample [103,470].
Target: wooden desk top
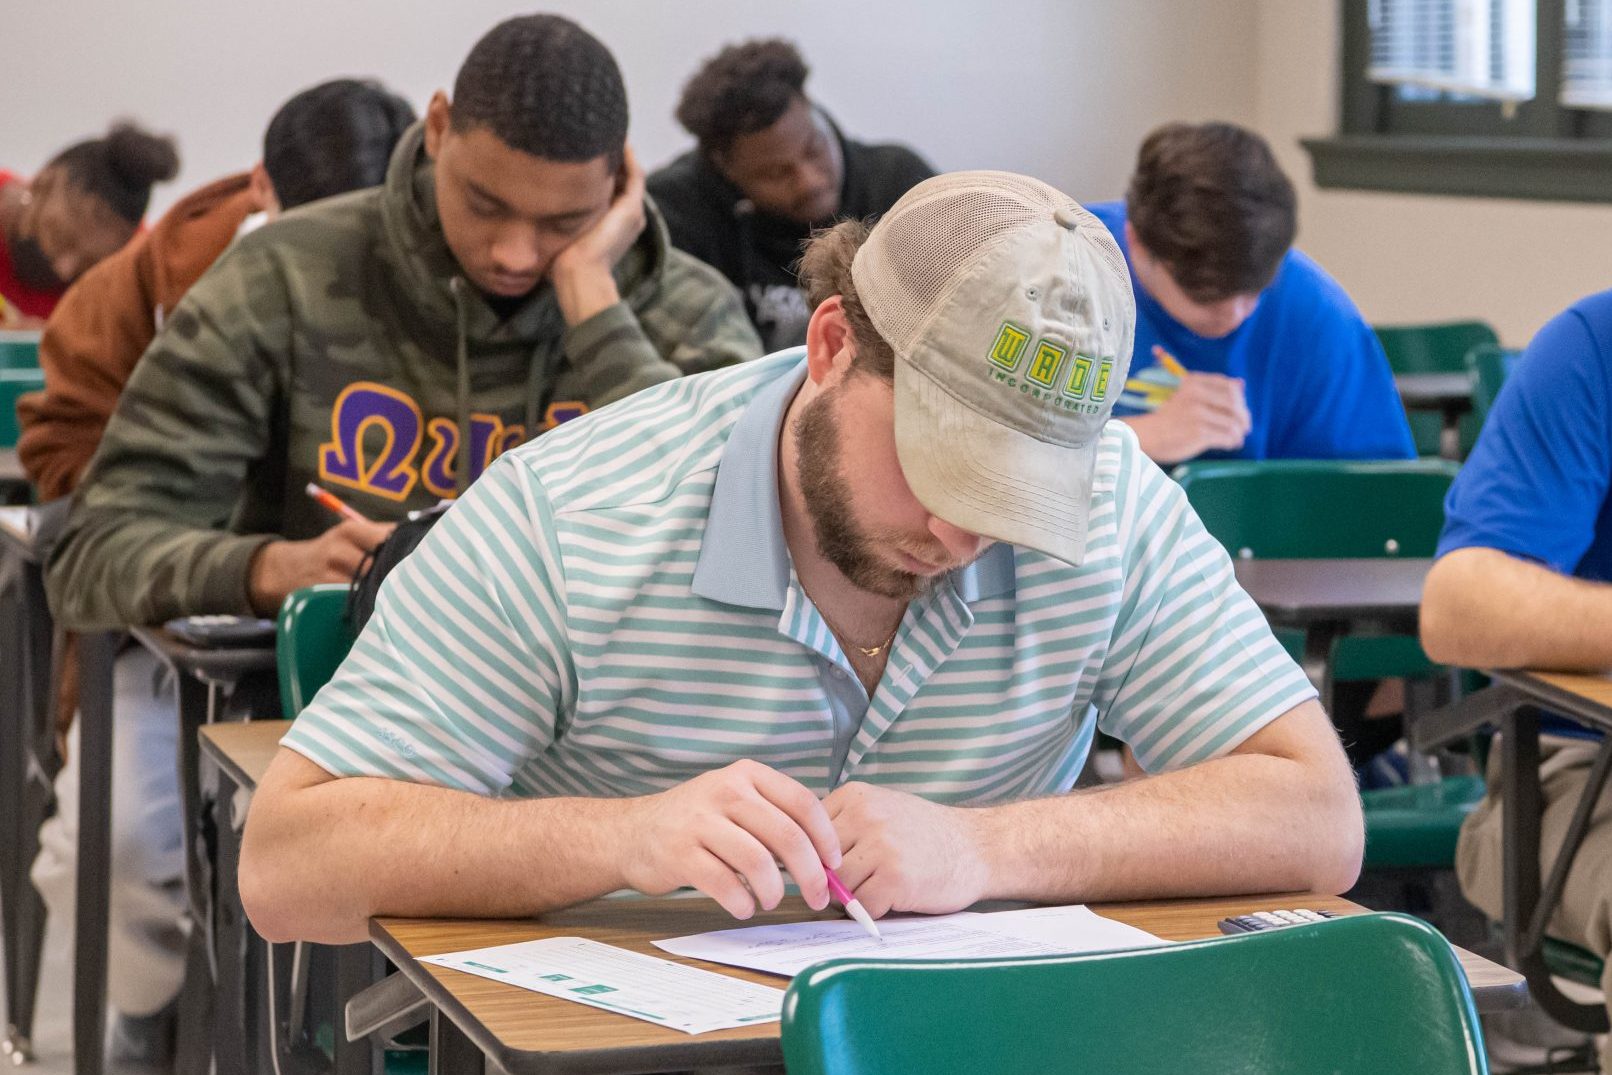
[1301,592]
[529,1032]
[1583,696]
[244,749]
[1434,390]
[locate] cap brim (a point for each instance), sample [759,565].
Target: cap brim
[980,475]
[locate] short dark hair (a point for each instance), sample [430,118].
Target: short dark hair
[825,271]
[333,138]
[1210,202]
[741,90]
[545,86]
[121,168]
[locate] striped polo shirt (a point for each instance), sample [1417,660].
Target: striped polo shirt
[611,610]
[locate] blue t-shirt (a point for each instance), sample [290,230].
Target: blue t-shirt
[1317,382]
[1536,483]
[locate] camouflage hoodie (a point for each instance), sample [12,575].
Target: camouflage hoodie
[340,345]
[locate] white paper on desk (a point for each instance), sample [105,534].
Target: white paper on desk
[790,948]
[628,983]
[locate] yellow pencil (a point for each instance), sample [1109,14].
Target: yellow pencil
[1170,363]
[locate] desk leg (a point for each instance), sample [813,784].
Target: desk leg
[197,1029]
[356,971]
[452,1053]
[96,654]
[27,753]
[1449,436]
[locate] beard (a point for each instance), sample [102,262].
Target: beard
[827,493]
[32,267]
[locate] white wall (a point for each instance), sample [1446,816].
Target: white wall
[1410,257]
[1063,89]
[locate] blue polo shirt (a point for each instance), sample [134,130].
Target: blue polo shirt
[1317,382]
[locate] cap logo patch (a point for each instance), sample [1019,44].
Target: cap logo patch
[1083,391]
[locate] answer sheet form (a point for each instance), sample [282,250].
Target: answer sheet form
[790,948]
[618,980]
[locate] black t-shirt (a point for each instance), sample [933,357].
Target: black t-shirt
[709,218]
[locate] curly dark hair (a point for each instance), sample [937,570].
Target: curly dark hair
[332,138]
[741,90]
[121,168]
[545,86]
[1211,203]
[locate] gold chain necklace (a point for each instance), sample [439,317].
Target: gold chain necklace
[866,651]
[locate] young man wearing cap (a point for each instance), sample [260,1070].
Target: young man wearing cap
[1245,348]
[862,605]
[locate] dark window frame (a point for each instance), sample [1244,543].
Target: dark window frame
[1543,150]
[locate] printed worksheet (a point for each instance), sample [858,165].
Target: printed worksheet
[617,980]
[790,948]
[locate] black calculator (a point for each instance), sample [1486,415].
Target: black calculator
[1263,920]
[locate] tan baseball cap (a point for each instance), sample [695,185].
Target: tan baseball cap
[1010,312]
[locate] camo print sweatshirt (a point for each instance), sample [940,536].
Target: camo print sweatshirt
[340,345]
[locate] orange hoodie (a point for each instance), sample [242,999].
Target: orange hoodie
[106,320]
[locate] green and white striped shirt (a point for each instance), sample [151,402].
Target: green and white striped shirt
[611,611]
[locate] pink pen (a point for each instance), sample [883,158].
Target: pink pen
[852,907]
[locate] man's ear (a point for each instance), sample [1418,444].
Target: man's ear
[830,344]
[438,118]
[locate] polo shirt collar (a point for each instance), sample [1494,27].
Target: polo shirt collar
[744,559]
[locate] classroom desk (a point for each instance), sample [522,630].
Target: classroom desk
[1328,599]
[1516,703]
[28,763]
[1450,394]
[233,758]
[475,1020]
[206,678]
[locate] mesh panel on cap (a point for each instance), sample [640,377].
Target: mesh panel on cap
[916,252]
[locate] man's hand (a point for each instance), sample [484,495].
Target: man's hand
[582,273]
[725,832]
[1209,412]
[283,566]
[903,853]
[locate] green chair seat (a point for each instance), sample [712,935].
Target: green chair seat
[1416,826]
[1573,963]
[1352,996]
[1367,657]
[312,639]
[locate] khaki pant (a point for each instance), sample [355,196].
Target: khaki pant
[1584,916]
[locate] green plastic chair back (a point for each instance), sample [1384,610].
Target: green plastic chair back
[1437,348]
[15,383]
[19,349]
[1315,509]
[1353,996]
[1416,826]
[1487,367]
[313,638]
